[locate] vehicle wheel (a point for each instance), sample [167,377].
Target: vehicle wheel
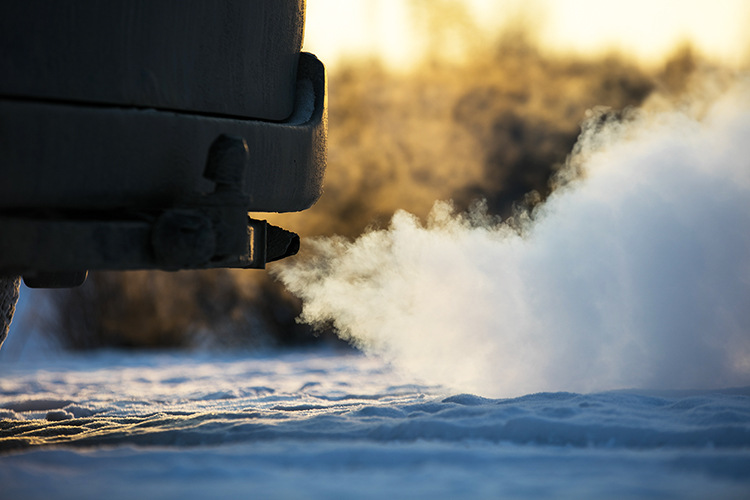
[9,287]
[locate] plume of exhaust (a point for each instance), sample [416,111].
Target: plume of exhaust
[635,272]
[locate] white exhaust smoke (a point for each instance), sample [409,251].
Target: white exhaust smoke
[635,273]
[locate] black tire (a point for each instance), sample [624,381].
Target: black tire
[9,287]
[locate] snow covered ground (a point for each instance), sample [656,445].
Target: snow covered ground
[332,424]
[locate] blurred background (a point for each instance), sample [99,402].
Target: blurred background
[429,100]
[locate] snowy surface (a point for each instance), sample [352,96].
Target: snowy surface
[332,424]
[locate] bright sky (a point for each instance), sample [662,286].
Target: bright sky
[646,28]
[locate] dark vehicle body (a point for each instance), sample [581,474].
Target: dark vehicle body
[138,134]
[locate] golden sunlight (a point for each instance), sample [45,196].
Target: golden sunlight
[404,31]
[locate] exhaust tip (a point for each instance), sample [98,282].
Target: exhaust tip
[280,243]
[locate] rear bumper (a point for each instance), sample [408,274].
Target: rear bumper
[83,186]
[92,157]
